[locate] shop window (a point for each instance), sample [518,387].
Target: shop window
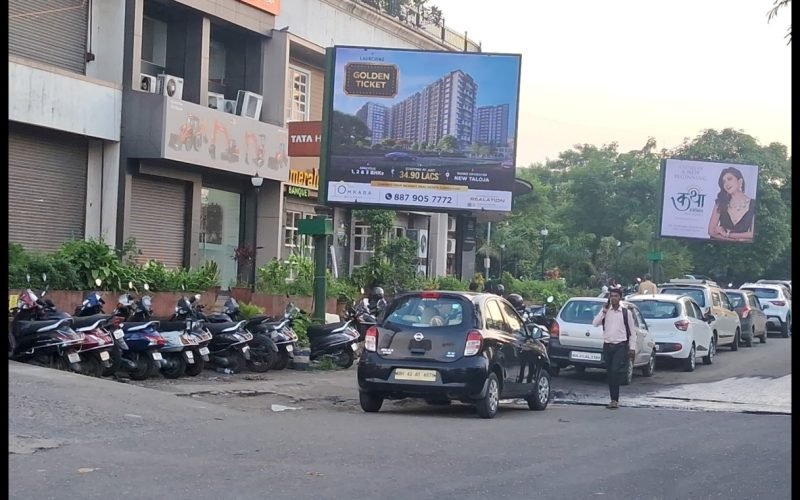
[291,236]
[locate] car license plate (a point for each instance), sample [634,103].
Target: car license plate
[289,348]
[354,347]
[204,351]
[585,356]
[417,375]
[157,356]
[74,357]
[118,334]
[104,355]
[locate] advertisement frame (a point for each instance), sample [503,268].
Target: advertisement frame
[662,193]
[327,125]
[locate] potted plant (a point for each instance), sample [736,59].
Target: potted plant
[245,256]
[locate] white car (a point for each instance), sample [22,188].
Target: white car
[777,304]
[575,341]
[712,300]
[680,328]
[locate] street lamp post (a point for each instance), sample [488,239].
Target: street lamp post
[544,232]
[256,181]
[500,266]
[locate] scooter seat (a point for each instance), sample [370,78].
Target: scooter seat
[218,318]
[172,326]
[135,326]
[230,326]
[86,323]
[323,330]
[261,318]
[31,327]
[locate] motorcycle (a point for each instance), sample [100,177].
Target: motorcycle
[49,342]
[98,345]
[339,341]
[143,357]
[92,307]
[280,337]
[228,347]
[200,336]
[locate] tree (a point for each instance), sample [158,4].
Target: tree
[773,12]
[475,149]
[388,142]
[448,144]
[347,130]
[435,15]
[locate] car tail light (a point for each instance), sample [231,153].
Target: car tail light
[682,325]
[371,339]
[430,295]
[779,303]
[555,330]
[474,341]
[745,312]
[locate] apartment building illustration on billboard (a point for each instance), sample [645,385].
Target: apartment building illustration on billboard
[376,118]
[491,125]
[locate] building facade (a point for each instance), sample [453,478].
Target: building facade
[170,122]
[491,125]
[65,100]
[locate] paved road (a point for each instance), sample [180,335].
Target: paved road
[99,439]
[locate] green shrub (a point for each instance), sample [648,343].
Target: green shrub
[451,283]
[250,310]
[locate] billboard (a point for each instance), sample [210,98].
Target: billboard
[708,200]
[421,129]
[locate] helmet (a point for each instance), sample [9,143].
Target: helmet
[517,301]
[377,292]
[500,289]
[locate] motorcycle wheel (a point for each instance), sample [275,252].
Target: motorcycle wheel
[175,366]
[238,363]
[91,366]
[144,365]
[196,368]
[116,360]
[282,362]
[262,357]
[345,358]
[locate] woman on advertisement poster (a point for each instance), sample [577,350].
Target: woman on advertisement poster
[734,212]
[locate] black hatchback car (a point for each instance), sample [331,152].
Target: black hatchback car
[444,346]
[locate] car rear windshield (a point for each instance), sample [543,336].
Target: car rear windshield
[737,299]
[695,293]
[427,312]
[658,309]
[581,311]
[764,293]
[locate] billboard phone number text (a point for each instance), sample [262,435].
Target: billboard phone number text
[420,198]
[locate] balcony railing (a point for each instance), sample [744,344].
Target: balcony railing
[428,20]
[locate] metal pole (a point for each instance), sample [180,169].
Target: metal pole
[320,277]
[544,248]
[255,243]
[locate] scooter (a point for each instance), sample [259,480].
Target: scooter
[142,358]
[229,347]
[92,306]
[178,351]
[100,334]
[193,329]
[48,342]
[276,334]
[336,340]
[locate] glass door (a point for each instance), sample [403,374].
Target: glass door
[219,232]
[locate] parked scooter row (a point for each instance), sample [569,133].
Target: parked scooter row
[130,342]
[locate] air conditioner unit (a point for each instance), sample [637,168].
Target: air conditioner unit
[149,83]
[215,100]
[248,104]
[229,106]
[170,86]
[451,245]
[451,223]
[422,244]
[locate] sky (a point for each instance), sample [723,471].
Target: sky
[596,72]
[497,76]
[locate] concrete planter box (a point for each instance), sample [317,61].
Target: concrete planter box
[163,302]
[276,304]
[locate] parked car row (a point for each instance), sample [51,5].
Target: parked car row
[687,320]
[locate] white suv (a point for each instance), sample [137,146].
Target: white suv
[777,305]
[712,300]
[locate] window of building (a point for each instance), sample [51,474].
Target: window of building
[216,62]
[362,246]
[154,41]
[297,106]
[290,238]
[399,232]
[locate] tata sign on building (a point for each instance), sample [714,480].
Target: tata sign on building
[421,129]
